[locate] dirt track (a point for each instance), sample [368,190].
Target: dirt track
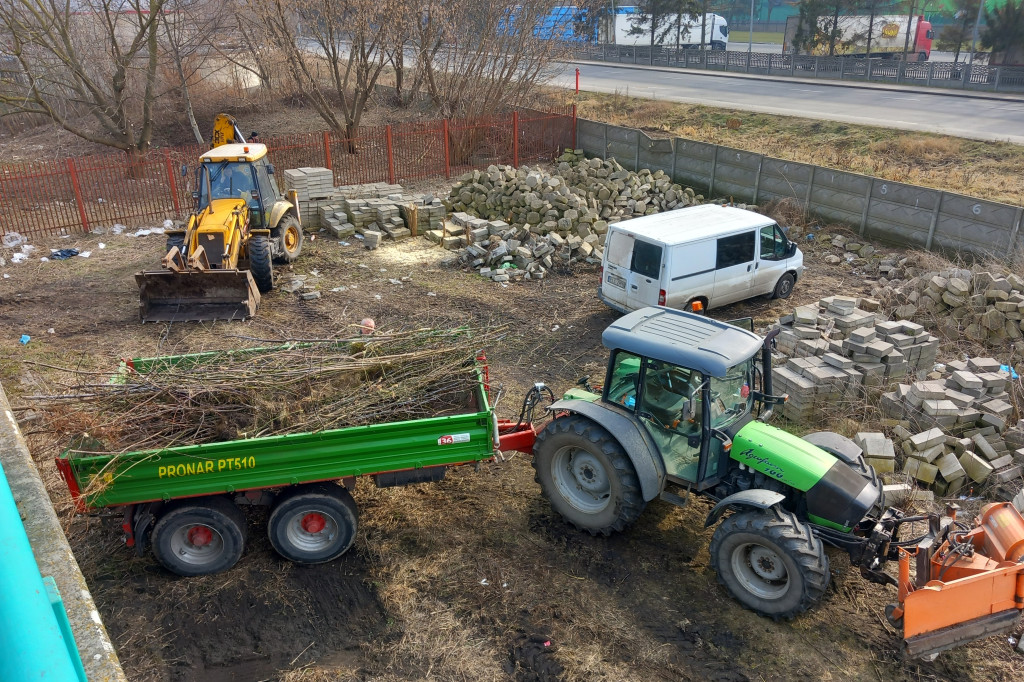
[471,578]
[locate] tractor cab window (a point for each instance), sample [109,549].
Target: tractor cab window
[670,407]
[623,383]
[731,396]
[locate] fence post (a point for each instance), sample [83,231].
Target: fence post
[515,139]
[1013,250]
[748,62]
[935,221]
[757,179]
[391,156]
[810,188]
[871,64]
[78,194]
[575,123]
[867,207]
[636,158]
[999,73]
[842,68]
[967,76]
[172,182]
[605,152]
[444,142]
[714,168]
[675,145]
[931,71]
[327,149]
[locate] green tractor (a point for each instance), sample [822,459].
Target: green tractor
[677,415]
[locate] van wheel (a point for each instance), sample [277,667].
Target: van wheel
[784,287]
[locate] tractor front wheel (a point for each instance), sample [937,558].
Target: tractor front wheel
[312,524]
[587,476]
[289,236]
[259,263]
[770,562]
[200,537]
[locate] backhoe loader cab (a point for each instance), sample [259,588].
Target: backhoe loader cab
[218,267]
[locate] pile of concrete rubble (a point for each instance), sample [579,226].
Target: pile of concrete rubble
[514,223]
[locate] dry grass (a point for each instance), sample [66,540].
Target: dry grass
[988,170]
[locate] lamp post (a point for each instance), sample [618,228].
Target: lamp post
[750,38]
[974,35]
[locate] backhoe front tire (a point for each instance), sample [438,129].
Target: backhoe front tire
[770,562]
[586,475]
[259,263]
[289,235]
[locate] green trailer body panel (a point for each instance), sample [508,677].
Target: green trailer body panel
[781,455]
[276,461]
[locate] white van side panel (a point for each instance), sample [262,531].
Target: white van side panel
[690,273]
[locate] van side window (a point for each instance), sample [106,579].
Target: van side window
[734,250]
[773,243]
[647,259]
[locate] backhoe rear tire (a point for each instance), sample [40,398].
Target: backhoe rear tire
[586,475]
[259,263]
[770,562]
[289,235]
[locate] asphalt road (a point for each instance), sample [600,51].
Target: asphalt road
[969,116]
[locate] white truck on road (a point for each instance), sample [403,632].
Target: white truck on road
[631,27]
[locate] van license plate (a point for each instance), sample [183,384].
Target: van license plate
[615,280]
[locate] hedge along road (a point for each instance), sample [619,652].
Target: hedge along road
[979,116]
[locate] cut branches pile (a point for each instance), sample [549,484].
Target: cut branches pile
[310,386]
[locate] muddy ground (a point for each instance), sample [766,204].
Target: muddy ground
[473,578]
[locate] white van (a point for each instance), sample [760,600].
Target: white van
[712,254]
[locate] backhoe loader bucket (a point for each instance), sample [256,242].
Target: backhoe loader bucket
[169,296]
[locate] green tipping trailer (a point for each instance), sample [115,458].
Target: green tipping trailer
[188,500]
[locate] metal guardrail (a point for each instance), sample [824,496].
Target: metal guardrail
[976,77]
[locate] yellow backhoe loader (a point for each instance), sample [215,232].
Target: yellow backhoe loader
[219,265]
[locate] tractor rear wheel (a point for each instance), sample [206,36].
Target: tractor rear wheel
[311,524]
[770,562]
[259,263]
[587,476]
[289,238]
[200,537]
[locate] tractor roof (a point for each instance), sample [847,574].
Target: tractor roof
[709,346]
[253,151]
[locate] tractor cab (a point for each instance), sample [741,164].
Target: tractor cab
[689,380]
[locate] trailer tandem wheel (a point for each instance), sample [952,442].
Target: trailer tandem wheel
[199,536]
[312,524]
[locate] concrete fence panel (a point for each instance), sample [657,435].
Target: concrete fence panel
[656,154]
[783,180]
[623,144]
[983,227]
[695,164]
[840,197]
[901,214]
[736,174]
[590,137]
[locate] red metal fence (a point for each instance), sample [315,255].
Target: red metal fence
[61,197]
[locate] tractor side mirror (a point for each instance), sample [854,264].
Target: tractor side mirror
[195,196]
[184,170]
[270,169]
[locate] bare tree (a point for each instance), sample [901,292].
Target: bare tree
[335,51]
[86,59]
[187,30]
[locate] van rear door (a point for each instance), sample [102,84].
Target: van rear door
[644,275]
[632,271]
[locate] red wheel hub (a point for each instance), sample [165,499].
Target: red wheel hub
[313,523]
[199,536]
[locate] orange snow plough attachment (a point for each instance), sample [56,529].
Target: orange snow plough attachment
[969,583]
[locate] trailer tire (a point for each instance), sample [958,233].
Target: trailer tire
[312,524]
[770,562]
[288,234]
[259,263]
[586,475]
[199,536]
